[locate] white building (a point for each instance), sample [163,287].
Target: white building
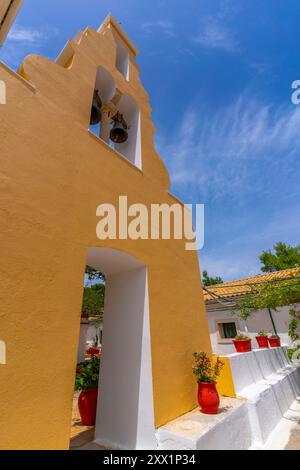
[224,325]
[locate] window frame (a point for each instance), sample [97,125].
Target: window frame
[219,329]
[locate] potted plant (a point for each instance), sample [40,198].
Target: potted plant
[262,339]
[242,343]
[206,374]
[274,341]
[87,377]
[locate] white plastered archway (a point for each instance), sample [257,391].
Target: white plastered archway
[125,416]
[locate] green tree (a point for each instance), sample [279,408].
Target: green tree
[93,302]
[94,275]
[272,295]
[284,257]
[210,281]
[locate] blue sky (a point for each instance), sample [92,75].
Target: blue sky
[219,77]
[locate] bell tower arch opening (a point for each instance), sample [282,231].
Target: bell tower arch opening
[115,118]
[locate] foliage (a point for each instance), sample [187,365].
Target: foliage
[238,337]
[272,294]
[87,374]
[291,351]
[284,257]
[262,333]
[203,368]
[93,301]
[294,324]
[210,281]
[93,274]
[273,336]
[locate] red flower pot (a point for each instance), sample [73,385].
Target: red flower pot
[87,405]
[274,342]
[208,398]
[262,341]
[242,345]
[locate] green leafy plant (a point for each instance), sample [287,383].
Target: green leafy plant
[291,351]
[294,324]
[241,337]
[93,301]
[87,374]
[262,333]
[204,369]
[273,336]
[272,295]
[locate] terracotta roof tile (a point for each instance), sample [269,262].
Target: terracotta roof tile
[240,287]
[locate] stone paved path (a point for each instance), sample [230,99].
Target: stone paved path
[81,437]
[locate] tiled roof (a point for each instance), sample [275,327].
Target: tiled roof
[235,288]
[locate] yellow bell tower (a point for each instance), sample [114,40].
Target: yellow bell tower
[56,168]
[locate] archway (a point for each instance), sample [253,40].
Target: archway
[125,417]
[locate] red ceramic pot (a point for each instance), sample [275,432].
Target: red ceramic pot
[274,342]
[87,405]
[262,341]
[208,398]
[242,345]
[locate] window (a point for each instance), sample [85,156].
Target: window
[226,330]
[229,330]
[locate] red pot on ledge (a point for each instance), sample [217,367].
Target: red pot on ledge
[87,405]
[274,342]
[262,341]
[208,398]
[242,345]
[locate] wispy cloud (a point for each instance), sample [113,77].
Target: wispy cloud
[23,35]
[229,267]
[243,162]
[215,34]
[22,41]
[238,257]
[164,26]
[227,153]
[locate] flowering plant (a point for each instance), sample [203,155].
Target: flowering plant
[203,368]
[87,374]
[92,351]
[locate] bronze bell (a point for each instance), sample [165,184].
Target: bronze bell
[96,109]
[119,133]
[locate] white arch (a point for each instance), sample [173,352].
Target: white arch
[125,413]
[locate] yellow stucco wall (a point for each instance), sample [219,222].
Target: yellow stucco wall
[54,174]
[225,383]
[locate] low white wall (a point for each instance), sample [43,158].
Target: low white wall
[270,383]
[267,387]
[259,321]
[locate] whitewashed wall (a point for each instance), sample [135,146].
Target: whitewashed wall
[259,321]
